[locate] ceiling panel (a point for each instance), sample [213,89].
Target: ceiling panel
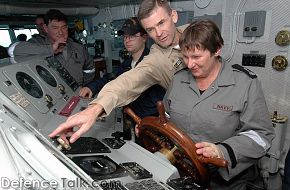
[18,11]
[69,3]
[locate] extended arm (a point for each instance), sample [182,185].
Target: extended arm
[154,69]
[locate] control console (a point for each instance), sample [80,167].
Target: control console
[34,100]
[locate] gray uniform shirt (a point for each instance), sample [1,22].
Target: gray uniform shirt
[75,57]
[232,111]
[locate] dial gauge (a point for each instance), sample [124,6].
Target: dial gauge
[283,38]
[279,63]
[46,76]
[29,85]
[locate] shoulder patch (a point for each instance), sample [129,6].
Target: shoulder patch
[177,64]
[184,69]
[250,73]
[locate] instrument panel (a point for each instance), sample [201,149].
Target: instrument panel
[35,99]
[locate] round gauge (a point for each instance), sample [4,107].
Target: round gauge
[279,63]
[283,38]
[202,3]
[28,84]
[46,76]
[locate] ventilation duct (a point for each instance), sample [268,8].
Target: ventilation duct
[18,10]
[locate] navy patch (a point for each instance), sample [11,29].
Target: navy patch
[250,73]
[222,107]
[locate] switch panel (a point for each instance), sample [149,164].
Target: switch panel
[255,60]
[254,23]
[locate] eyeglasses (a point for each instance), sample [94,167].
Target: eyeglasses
[131,37]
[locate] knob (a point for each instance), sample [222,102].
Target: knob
[63,144]
[48,98]
[61,88]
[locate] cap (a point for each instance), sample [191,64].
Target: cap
[130,27]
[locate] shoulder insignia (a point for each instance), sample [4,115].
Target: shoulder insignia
[177,64]
[184,69]
[250,73]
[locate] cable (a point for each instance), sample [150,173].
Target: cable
[132,9]
[247,41]
[109,12]
[203,7]
[123,11]
[235,22]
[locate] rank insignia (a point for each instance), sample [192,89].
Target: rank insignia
[177,64]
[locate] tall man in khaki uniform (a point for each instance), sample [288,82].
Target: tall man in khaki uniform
[164,59]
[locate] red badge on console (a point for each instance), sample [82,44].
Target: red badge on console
[70,106]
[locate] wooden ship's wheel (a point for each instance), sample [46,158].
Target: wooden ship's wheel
[158,134]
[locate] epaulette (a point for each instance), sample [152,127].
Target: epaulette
[184,69]
[250,73]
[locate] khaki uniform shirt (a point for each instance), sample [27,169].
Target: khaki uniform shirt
[158,67]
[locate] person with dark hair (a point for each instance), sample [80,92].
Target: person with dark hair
[158,67]
[21,37]
[135,38]
[56,45]
[242,138]
[39,21]
[3,52]
[220,106]
[135,42]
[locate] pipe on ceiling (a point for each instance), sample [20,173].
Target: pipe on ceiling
[19,10]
